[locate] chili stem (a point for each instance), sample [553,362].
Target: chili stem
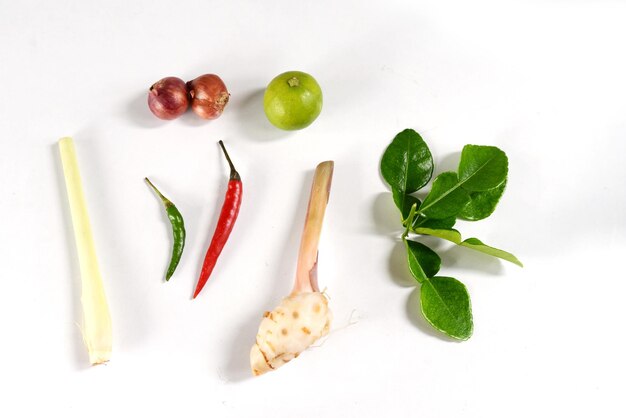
[234,175]
[165,200]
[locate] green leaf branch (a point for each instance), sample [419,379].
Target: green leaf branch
[471,193]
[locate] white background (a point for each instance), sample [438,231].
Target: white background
[543,80]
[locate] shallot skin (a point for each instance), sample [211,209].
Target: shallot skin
[168,98]
[208,95]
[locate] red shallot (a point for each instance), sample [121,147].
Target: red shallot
[168,98]
[208,96]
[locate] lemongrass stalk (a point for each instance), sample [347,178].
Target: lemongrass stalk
[96,329]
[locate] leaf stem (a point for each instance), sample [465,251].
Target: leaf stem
[409,220]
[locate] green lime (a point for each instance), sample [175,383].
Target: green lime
[292,100]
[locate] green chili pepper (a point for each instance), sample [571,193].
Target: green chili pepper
[178,230]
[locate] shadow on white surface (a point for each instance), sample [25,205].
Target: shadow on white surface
[386,216]
[414,312]
[139,113]
[468,259]
[398,268]
[398,264]
[449,162]
[252,119]
[115,254]
[238,367]
[79,354]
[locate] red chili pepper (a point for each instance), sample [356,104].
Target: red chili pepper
[228,216]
